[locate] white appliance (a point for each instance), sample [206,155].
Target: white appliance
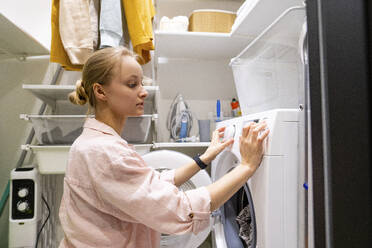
[272,192]
[25,210]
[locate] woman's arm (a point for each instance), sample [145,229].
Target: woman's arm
[185,172]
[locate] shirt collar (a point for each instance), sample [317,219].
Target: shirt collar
[93,123]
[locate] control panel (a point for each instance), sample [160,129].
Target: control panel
[23,198]
[24,207]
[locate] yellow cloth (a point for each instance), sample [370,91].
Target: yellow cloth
[139,14]
[57,52]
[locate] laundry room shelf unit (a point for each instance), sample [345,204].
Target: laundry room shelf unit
[16,43]
[64,129]
[256,15]
[197,45]
[53,159]
[51,93]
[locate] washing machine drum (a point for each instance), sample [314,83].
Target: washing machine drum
[237,225]
[167,160]
[238,219]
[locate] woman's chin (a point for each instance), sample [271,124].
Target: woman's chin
[138,113]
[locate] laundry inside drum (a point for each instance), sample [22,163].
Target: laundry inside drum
[238,219]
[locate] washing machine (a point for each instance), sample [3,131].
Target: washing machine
[270,196]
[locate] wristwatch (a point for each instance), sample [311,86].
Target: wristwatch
[200,163]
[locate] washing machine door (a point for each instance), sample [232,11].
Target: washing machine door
[235,221]
[167,160]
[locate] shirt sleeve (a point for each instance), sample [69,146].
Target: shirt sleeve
[168,176]
[127,186]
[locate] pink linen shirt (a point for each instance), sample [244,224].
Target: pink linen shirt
[112,199]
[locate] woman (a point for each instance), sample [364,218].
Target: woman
[111,198]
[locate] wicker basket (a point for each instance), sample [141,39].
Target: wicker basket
[211,20]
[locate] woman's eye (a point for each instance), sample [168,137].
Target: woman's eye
[132,85]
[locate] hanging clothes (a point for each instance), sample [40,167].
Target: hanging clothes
[57,52]
[94,13]
[111,24]
[139,14]
[75,30]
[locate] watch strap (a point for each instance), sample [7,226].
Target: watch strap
[200,163]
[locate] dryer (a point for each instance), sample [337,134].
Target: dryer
[271,194]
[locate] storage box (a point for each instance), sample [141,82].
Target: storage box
[269,72]
[265,85]
[64,129]
[211,20]
[57,129]
[137,129]
[53,159]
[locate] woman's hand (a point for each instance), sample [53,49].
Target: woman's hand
[216,146]
[251,144]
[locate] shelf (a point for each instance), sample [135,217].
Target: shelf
[252,20]
[53,159]
[280,40]
[15,43]
[50,93]
[180,144]
[197,45]
[256,15]
[27,117]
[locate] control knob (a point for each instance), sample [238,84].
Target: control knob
[22,206]
[23,192]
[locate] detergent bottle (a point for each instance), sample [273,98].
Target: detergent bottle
[235,108]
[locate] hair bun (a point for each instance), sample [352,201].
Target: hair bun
[79,96]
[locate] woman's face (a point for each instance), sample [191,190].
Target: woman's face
[125,94]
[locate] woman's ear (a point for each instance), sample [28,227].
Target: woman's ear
[99,92]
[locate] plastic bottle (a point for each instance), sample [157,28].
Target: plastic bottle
[235,108]
[218,110]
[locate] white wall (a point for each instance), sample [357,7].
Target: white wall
[34,18]
[31,16]
[14,131]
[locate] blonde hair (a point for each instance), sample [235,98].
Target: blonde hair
[98,69]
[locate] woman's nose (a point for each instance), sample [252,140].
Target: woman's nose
[143,93]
